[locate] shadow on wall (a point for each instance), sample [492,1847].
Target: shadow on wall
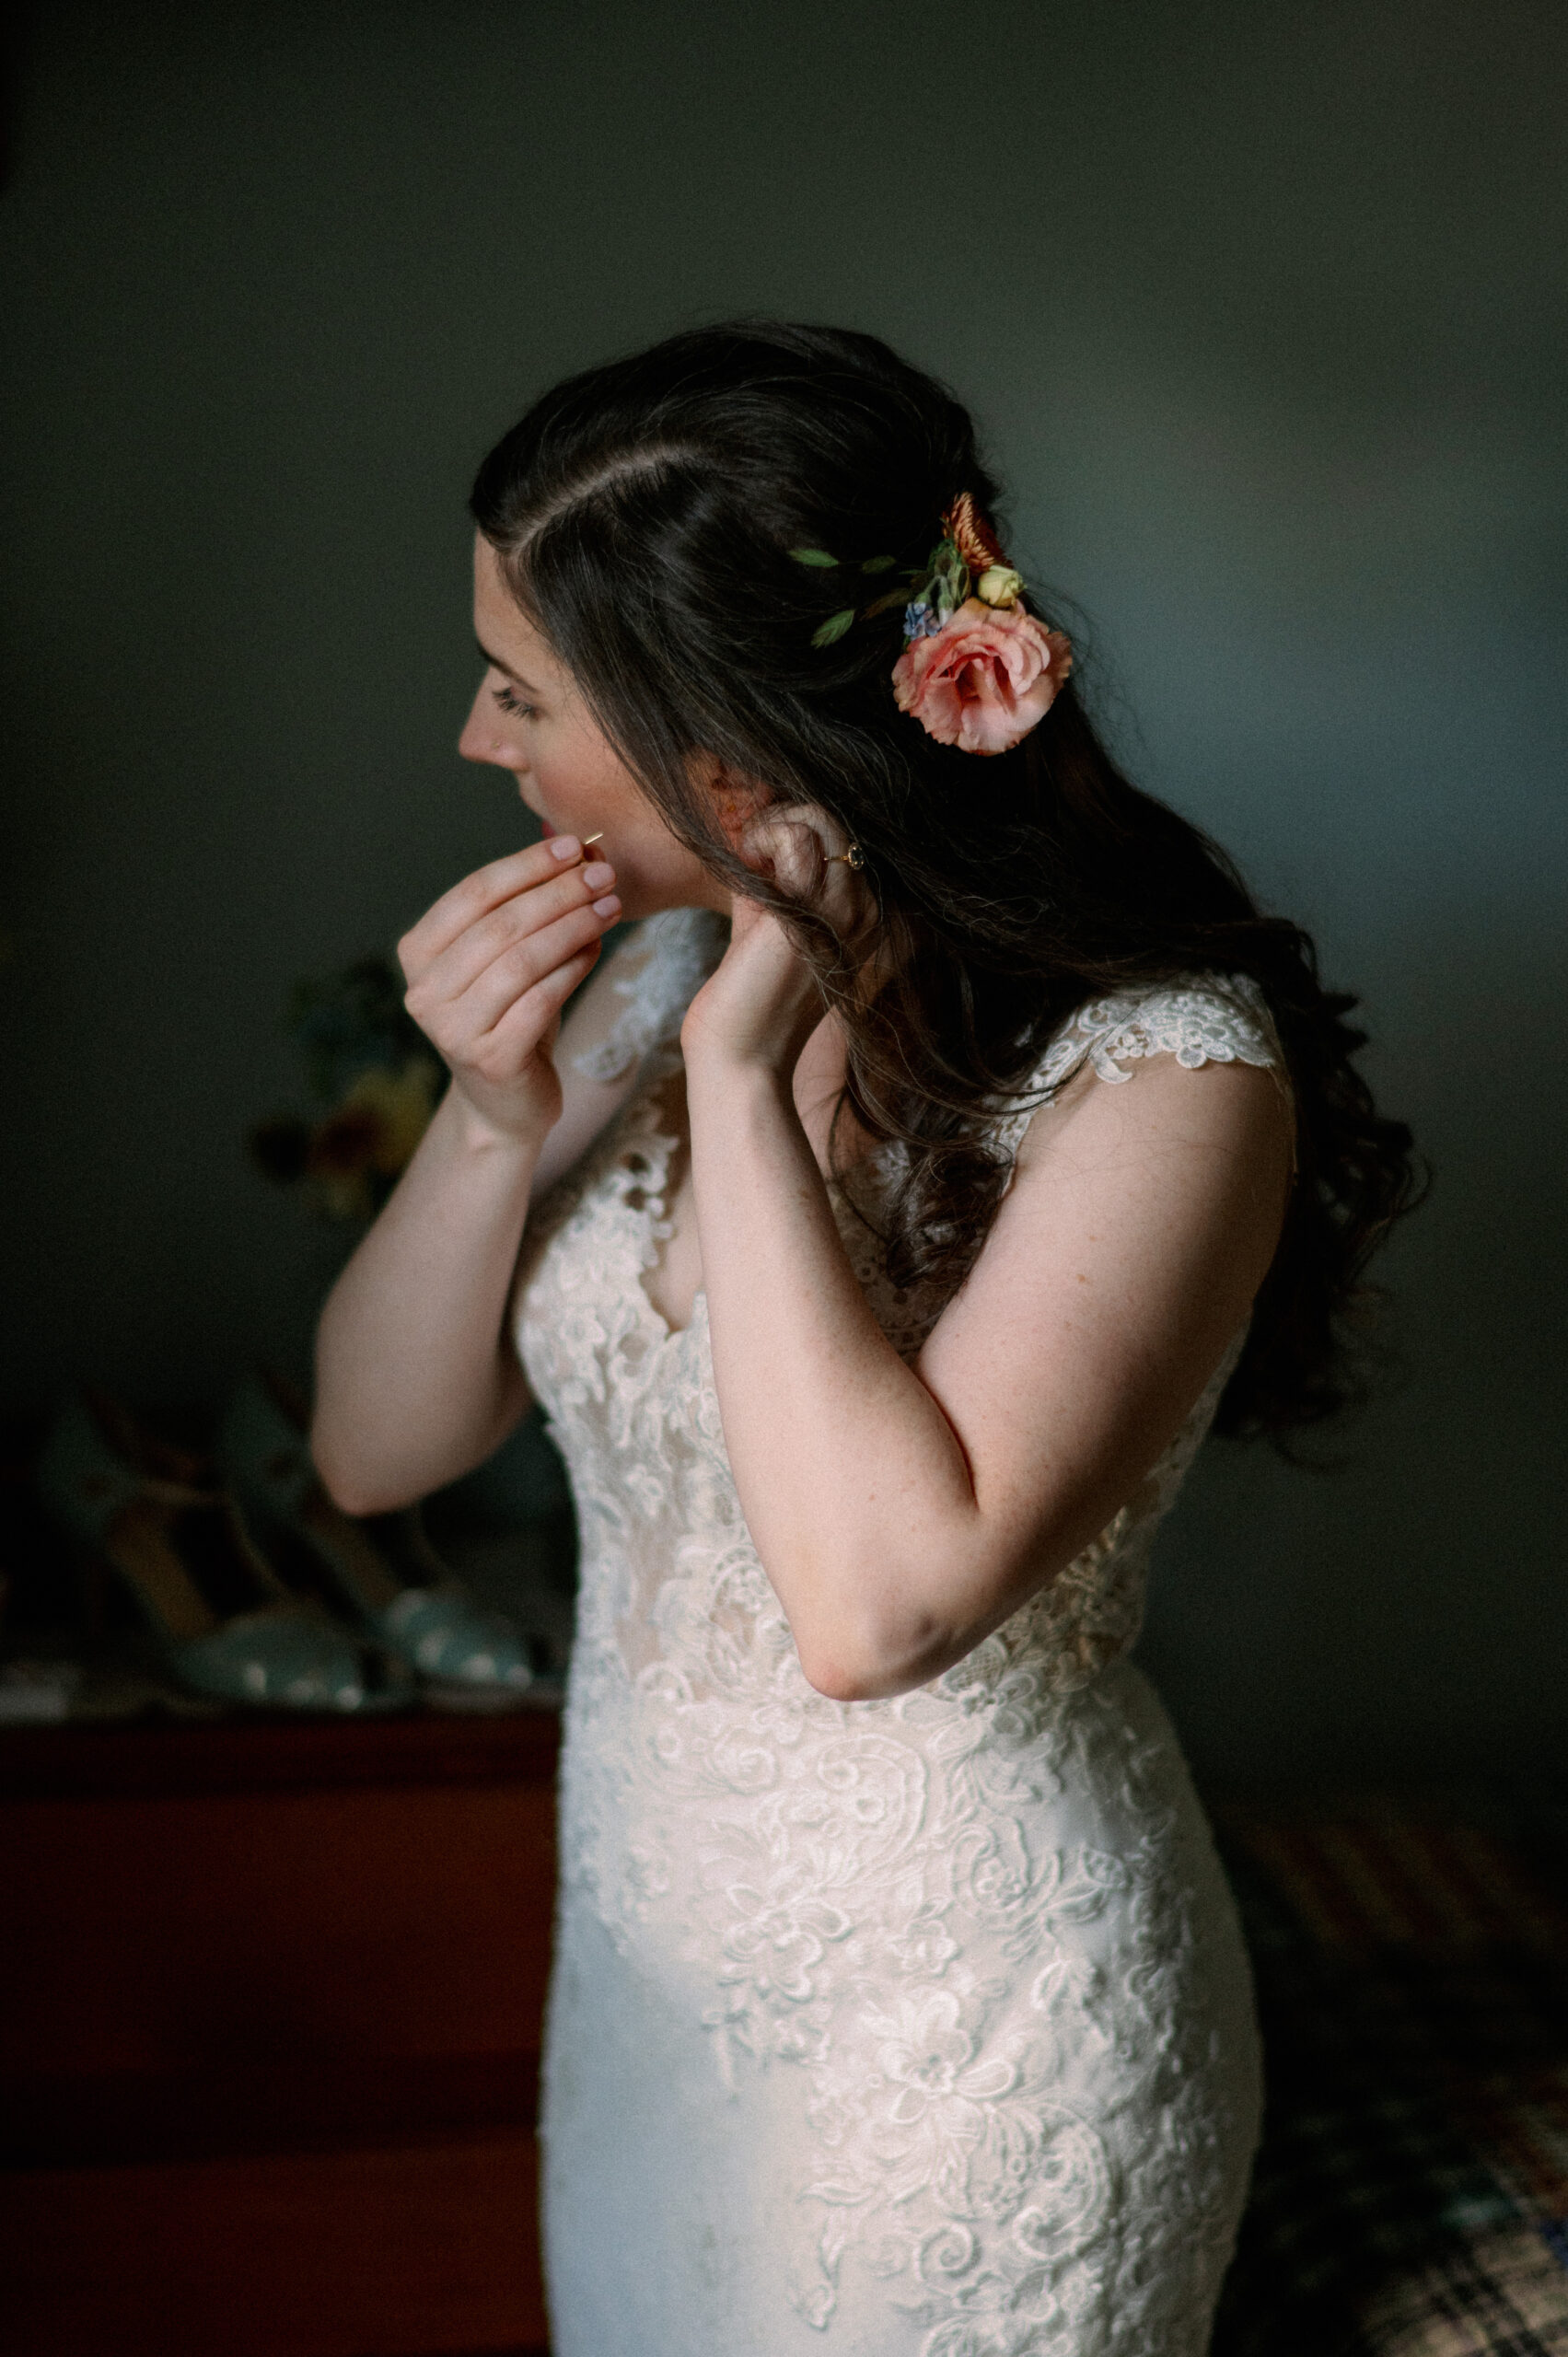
[1401,1617]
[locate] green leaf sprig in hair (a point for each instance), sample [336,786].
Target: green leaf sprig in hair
[969,553]
[827,632]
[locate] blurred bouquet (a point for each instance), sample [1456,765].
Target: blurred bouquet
[369,1065]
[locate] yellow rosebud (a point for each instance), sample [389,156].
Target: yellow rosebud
[999,586]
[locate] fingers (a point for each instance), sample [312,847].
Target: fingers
[503,926]
[494,1027]
[510,976]
[786,847]
[474,899]
[534,1016]
[527,930]
[800,850]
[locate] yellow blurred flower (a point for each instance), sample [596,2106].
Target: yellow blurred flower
[399,1104]
[372,1131]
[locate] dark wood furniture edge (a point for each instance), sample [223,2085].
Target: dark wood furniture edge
[243,2110]
[147,1758]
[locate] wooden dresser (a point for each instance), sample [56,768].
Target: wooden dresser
[270,2012]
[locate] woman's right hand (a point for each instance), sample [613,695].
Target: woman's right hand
[489,967]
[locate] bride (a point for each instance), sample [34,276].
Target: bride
[947,1142]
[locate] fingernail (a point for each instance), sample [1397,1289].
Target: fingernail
[564,846]
[597,874]
[607,906]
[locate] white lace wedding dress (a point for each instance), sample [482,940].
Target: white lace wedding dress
[877,2028]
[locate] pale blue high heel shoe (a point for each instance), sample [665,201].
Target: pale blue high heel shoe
[222,1622]
[383,1570]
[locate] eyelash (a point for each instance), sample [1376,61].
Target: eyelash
[513,704]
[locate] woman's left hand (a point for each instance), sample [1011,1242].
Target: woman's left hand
[763,1003]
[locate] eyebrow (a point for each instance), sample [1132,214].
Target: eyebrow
[496,665]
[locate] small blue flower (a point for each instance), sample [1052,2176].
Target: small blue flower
[921,621]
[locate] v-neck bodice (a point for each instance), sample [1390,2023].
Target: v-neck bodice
[631,1399]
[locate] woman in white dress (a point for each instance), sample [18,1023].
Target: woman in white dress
[950,1140]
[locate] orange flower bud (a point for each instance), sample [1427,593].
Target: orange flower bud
[972,535]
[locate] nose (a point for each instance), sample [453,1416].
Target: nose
[482,740]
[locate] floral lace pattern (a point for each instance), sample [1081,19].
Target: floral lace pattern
[975,1928]
[658,975]
[1224,1019]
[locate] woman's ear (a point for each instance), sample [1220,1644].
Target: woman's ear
[738,802]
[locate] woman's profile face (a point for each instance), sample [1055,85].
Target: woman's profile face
[530,717]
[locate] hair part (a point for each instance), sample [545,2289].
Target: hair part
[643,515]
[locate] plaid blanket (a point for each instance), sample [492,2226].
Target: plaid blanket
[1411,2197]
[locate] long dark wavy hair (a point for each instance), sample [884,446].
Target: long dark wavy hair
[643,514]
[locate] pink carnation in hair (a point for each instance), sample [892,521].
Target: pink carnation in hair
[984,680]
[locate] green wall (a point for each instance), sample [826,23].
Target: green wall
[1263,307]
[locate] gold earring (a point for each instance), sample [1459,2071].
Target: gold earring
[853,858]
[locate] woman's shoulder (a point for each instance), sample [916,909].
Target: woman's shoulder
[1195,1019]
[1199,1177]
[1199,1018]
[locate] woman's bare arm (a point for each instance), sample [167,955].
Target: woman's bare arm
[903,1512]
[416,1378]
[415,1382]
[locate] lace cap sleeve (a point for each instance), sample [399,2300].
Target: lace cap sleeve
[1211,1018]
[1214,1019]
[658,972]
